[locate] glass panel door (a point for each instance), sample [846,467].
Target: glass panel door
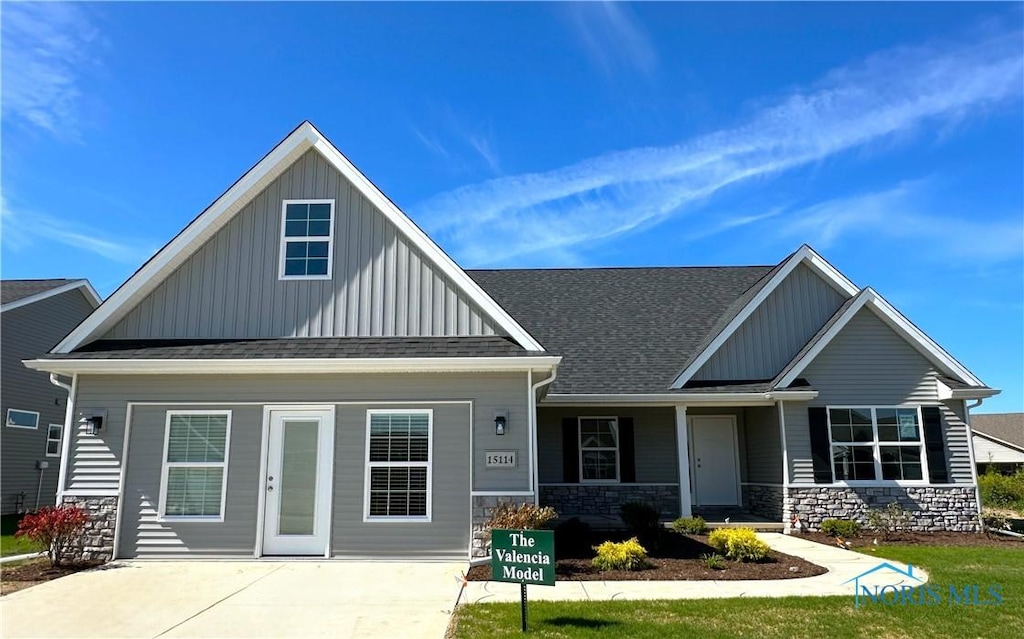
[297,512]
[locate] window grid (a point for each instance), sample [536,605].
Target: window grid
[599,449]
[194,481]
[398,465]
[53,440]
[307,239]
[876,444]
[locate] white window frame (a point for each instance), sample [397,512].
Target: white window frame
[59,440]
[429,465]
[165,465]
[875,444]
[618,454]
[8,423]
[283,245]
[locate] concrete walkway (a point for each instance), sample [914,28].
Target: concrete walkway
[240,599]
[842,565]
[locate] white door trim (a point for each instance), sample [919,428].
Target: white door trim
[736,455]
[325,478]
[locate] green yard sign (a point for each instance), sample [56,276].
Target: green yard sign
[523,556]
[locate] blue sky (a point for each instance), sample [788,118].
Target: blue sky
[888,136]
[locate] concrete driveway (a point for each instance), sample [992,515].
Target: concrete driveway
[240,599]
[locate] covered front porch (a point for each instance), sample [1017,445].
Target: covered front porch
[724,463]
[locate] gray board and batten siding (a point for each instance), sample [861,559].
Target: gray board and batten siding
[869,364]
[382,285]
[451,396]
[776,331]
[28,332]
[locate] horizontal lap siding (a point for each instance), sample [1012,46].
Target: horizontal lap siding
[762,445]
[486,392]
[776,330]
[382,285]
[868,364]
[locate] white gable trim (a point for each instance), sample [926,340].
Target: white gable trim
[87,290]
[895,320]
[161,265]
[804,255]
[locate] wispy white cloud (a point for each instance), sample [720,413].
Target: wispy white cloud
[46,48]
[452,138]
[613,36]
[879,99]
[21,230]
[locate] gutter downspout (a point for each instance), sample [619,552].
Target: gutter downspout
[534,482]
[66,434]
[974,463]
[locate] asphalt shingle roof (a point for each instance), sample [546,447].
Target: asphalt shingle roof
[1008,427]
[301,348]
[14,290]
[620,330]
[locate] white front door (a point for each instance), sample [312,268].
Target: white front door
[300,453]
[714,460]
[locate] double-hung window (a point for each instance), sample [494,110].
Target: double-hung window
[195,468]
[53,439]
[398,465]
[871,444]
[599,449]
[307,239]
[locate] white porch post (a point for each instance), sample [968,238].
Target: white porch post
[683,448]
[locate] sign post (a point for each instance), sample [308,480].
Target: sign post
[523,557]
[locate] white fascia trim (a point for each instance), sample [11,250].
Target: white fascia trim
[805,254]
[270,366]
[424,243]
[87,290]
[674,399]
[220,212]
[888,314]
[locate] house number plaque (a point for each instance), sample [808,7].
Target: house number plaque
[500,459]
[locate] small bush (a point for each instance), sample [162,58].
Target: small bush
[59,530]
[739,544]
[524,516]
[889,520]
[994,520]
[690,526]
[1002,491]
[572,538]
[622,555]
[714,561]
[840,527]
[639,517]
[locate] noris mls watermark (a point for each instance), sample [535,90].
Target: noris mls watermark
[907,589]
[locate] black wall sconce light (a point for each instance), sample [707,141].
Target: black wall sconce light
[92,421]
[500,422]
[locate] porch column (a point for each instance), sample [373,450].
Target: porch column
[683,448]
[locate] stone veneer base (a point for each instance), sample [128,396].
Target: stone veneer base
[763,500]
[98,536]
[606,499]
[483,506]
[931,508]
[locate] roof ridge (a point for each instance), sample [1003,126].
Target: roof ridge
[612,268]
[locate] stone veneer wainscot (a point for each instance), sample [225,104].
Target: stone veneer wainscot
[98,536]
[931,508]
[606,499]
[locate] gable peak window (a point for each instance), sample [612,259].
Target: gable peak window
[307,239]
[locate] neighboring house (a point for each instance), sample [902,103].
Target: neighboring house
[302,371]
[998,441]
[34,316]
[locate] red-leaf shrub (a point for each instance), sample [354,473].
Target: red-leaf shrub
[57,529]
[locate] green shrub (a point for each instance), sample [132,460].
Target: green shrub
[1002,491]
[572,538]
[714,561]
[690,526]
[523,516]
[739,544]
[889,520]
[840,527]
[623,555]
[640,517]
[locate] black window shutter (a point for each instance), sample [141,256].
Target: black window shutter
[821,455]
[570,450]
[627,452]
[934,445]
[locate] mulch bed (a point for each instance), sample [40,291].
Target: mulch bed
[673,557]
[920,538]
[32,572]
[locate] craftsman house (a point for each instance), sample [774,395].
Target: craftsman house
[302,371]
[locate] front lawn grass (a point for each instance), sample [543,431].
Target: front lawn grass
[11,545]
[789,617]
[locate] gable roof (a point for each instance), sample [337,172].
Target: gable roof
[17,293]
[215,216]
[619,330]
[895,320]
[745,307]
[1007,428]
